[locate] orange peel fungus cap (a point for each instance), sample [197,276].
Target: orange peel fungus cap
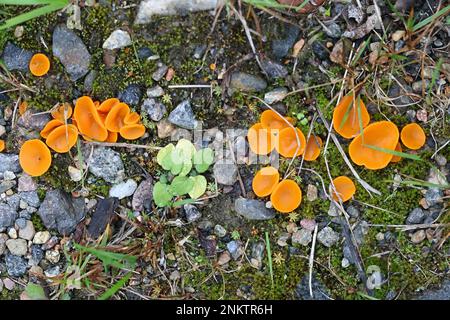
[39,64]
[399,149]
[287,143]
[115,118]
[345,188]
[312,150]
[346,118]
[265,181]
[50,126]
[88,120]
[271,120]
[413,136]
[132,131]
[63,138]
[35,157]
[260,139]
[63,112]
[286,196]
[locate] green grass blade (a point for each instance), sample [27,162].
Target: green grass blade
[31,2]
[394,152]
[421,183]
[360,52]
[346,115]
[273,4]
[366,296]
[32,14]
[428,20]
[358,107]
[269,258]
[435,74]
[116,287]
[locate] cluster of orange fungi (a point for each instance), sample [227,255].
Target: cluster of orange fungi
[94,121]
[371,147]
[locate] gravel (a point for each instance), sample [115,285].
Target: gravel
[235,248]
[192,213]
[123,189]
[17,247]
[7,215]
[154,109]
[41,237]
[226,172]
[143,196]
[327,236]
[416,216]
[15,265]
[253,209]
[160,72]
[302,237]
[16,58]
[9,162]
[155,92]
[183,116]
[28,231]
[118,39]
[106,163]
[245,82]
[273,69]
[131,95]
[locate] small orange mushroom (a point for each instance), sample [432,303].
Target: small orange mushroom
[23,107]
[35,157]
[88,120]
[112,137]
[2,145]
[346,117]
[260,139]
[399,149]
[115,118]
[345,188]
[132,131]
[39,64]
[132,118]
[63,112]
[63,138]
[286,196]
[381,134]
[50,126]
[107,105]
[413,136]
[265,181]
[271,120]
[312,150]
[287,143]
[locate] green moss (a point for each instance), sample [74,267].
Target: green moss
[37,222]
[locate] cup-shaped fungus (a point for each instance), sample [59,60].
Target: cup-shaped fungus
[288,145]
[2,145]
[63,138]
[345,189]
[260,139]
[35,157]
[367,149]
[271,120]
[115,118]
[413,136]
[346,116]
[50,126]
[63,112]
[39,64]
[132,131]
[398,148]
[107,105]
[112,137]
[88,120]
[286,196]
[312,150]
[132,118]
[265,181]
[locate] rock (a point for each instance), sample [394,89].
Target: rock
[417,88]
[199,51]
[50,243]
[245,82]
[131,95]
[418,236]
[235,248]
[145,53]
[143,196]
[16,58]
[28,232]
[361,229]
[3,238]
[220,231]
[441,160]
[104,213]
[8,175]
[12,233]
[26,183]
[155,92]
[123,189]
[416,216]
[192,213]
[71,51]
[253,209]
[7,215]
[15,265]
[283,239]
[311,192]
[319,50]
[106,163]
[398,35]
[353,211]
[273,69]
[31,120]
[52,256]
[281,47]
[308,224]
[37,254]
[14,201]
[30,197]
[9,284]
[160,72]
[257,254]
[183,116]
[224,258]
[9,162]
[154,109]
[226,172]
[41,237]
[61,212]
[209,243]
[149,8]
[165,129]
[275,95]
[7,185]
[345,263]
[333,30]
[433,196]
[117,39]
[333,210]
[53,271]
[17,247]
[327,236]
[88,83]
[319,291]
[302,237]
[75,174]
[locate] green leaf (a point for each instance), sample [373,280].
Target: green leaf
[163,157]
[180,203]
[187,167]
[177,159]
[421,183]
[116,287]
[35,292]
[346,114]
[108,258]
[187,147]
[426,21]
[199,187]
[203,159]
[394,152]
[161,194]
[181,185]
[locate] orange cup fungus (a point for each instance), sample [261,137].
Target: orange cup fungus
[88,120]
[271,120]
[312,150]
[381,134]
[265,181]
[260,139]
[2,145]
[345,189]
[346,117]
[413,136]
[286,196]
[39,64]
[63,138]
[115,118]
[50,126]
[398,148]
[288,145]
[63,112]
[132,118]
[132,131]
[112,137]
[107,105]
[35,157]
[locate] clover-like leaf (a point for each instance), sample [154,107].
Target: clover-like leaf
[181,185]
[177,159]
[187,166]
[162,194]
[163,157]
[199,187]
[187,147]
[203,158]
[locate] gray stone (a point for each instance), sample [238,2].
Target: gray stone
[333,30]
[154,109]
[235,248]
[319,291]
[220,231]
[31,120]
[165,129]
[30,197]
[327,236]
[241,81]
[199,51]
[3,238]
[131,95]
[273,69]
[17,247]
[15,265]
[7,216]
[16,58]
[41,237]
[308,224]
[418,236]
[123,189]
[353,211]
[14,201]
[28,231]
[7,185]
[253,209]
[302,237]
[9,162]
[416,216]
[89,81]
[225,172]
[160,72]
[433,196]
[117,39]
[155,92]
[9,175]
[61,212]
[71,51]
[183,116]
[275,95]
[281,47]
[142,197]
[106,163]
[26,183]
[192,213]
[440,293]
[37,254]
[311,192]
[257,254]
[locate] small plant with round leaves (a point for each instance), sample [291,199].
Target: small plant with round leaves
[183,182]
